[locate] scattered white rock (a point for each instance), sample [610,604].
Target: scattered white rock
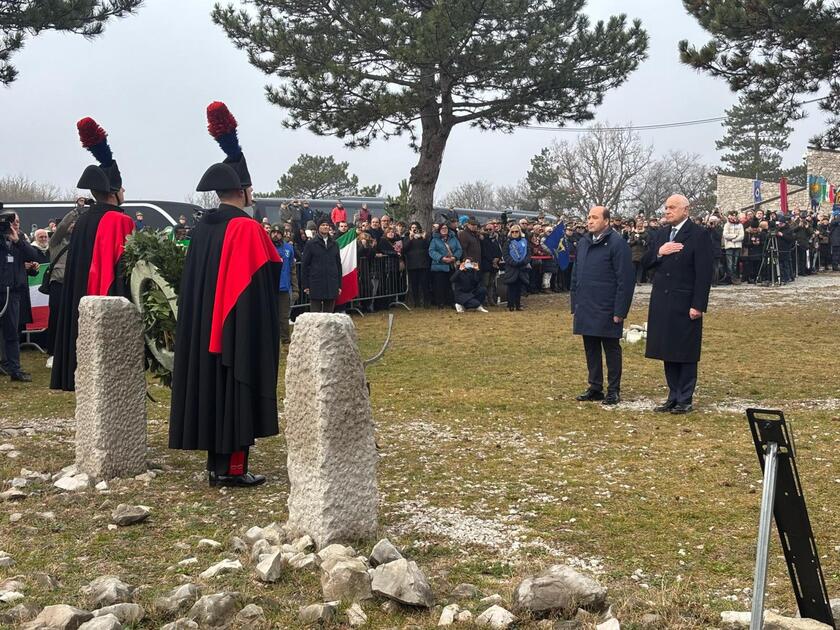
[126,515]
[346,580]
[651,619]
[558,588]
[735,620]
[304,561]
[13,454]
[356,617]
[304,544]
[214,610]
[252,616]
[404,582]
[207,543]
[102,486]
[465,616]
[335,551]
[7,597]
[125,613]
[238,545]
[225,566]
[254,534]
[146,476]
[5,560]
[272,567]
[33,475]
[491,600]
[318,613]
[383,553]
[260,548]
[19,614]
[181,624]
[105,622]
[59,617]
[6,447]
[47,516]
[12,494]
[447,616]
[495,617]
[178,599]
[108,590]
[74,483]
[18,482]
[609,624]
[14,517]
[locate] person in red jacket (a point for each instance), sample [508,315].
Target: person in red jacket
[338,214]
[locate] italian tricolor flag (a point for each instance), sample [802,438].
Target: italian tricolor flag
[40,302]
[349,272]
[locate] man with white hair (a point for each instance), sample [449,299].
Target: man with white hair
[681,254]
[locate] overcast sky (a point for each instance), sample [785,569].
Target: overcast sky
[149,78]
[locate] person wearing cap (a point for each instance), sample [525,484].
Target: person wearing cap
[94,256]
[288,277]
[227,339]
[320,270]
[470,241]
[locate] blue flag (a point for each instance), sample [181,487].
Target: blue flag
[556,244]
[756,191]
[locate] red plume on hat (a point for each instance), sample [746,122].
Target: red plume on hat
[95,140]
[222,126]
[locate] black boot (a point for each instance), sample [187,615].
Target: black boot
[236,481]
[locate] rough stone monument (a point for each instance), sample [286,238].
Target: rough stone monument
[332,455]
[110,389]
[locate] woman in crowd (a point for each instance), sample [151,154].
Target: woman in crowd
[416,254]
[444,252]
[368,283]
[467,288]
[517,267]
[388,249]
[637,238]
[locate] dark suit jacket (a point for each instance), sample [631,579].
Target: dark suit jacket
[682,281]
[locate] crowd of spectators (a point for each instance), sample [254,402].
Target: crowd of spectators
[470,265]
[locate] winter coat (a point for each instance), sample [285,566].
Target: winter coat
[416,253]
[288,270]
[321,269]
[733,236]
[682,281]
[58,242]
[437,250]
[490,251]
[517,270]
[470,245]
[338,215]
[638,245]
[464,285]
[603,281]
[834,232]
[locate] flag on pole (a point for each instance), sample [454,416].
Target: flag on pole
[756,191]
[349,271]
[556,244]
[40,302]
[783,195]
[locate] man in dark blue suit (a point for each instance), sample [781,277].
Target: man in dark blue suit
[681,254]
[603,281]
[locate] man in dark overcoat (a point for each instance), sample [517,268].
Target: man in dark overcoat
[321,270]
[681,254]
[603,281]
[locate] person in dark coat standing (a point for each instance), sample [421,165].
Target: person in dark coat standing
[601,293]
[321,270]
[681,254]
[227,338]
[517,266]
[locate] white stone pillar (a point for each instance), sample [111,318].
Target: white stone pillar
[332,455]
[110,389]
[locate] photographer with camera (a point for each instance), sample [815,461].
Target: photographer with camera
[786,240]
[17,257]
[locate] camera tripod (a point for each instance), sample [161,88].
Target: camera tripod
[770,262]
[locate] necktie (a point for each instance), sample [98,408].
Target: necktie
[673,234]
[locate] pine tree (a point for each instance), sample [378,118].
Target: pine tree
[367,69]
[22,18]
[777,49]
[756,137]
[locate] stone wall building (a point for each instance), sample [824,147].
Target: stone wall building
[736,193]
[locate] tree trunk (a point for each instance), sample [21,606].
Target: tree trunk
[425,174]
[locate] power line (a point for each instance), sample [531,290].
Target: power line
[670,125]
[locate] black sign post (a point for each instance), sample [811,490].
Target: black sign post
[782,499]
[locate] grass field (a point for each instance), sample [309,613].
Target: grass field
[490,469]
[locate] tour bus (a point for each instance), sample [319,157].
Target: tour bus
[156,214]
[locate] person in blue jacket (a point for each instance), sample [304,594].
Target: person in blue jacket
[282,240]
[445,252]
[602,288]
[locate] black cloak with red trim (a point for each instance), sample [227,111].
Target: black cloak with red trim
[94,267]
[227,340]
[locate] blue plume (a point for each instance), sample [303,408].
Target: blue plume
[230,144]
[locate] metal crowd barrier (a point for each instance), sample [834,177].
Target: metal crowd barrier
[383,283]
